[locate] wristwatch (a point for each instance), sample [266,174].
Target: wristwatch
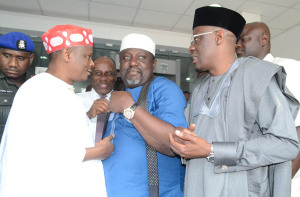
[211,155]
[129,112]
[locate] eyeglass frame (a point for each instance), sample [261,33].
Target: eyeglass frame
[198,35]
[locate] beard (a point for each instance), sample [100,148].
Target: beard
[133,79]
[133,82]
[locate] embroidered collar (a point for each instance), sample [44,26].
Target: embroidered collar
[214,110]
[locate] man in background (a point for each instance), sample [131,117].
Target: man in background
[47,149]
[141,144]
[16,55]
[96,102]
[255,41]
[187,95]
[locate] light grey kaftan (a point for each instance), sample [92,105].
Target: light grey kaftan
[251,123]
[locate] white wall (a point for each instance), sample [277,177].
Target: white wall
[100,30]
[287,45]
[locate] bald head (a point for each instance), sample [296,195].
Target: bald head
[254,41]
[106,59]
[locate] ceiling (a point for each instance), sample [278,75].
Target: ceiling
[168,15]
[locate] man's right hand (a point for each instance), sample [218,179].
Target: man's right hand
[102,149]
[99,106]
[105,147]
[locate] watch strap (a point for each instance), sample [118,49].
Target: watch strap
[134,106]
[211,155]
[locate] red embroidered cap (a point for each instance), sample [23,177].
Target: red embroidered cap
[64,36]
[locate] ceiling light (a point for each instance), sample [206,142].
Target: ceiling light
[188,79]
[215,5]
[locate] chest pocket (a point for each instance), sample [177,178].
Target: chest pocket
[6,100]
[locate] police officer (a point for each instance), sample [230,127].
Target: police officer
[15,57]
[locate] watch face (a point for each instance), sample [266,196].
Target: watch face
[211,159]
[128,113]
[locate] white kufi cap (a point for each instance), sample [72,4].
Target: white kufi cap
[138,41]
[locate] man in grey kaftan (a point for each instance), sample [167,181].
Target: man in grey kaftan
[244,137]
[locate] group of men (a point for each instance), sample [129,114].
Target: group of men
[235,137]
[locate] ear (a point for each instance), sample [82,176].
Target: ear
[31,57]
[66,53]
[264,39]
[220,35]
[154,64]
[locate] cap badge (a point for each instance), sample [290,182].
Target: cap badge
[21,44]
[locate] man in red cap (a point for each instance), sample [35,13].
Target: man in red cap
[44,149]
[242,136]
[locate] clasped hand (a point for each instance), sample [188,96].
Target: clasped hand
[187,144]
[105,147]
[99,106]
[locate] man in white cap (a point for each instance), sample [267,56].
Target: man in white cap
[242,136]
[142,134]
[46,148]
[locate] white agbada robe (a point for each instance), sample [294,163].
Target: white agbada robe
[44,143]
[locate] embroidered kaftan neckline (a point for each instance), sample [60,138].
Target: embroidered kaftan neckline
[215,106]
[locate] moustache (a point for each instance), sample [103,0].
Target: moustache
[133,69]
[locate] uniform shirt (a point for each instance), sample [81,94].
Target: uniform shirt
[8,90]
[126,171]
[44,143]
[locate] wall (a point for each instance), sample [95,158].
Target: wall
[174,44]
[100,30]
[287,45]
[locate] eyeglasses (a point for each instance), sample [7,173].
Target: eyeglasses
[196,37]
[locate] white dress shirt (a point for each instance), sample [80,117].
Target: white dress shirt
[87,99]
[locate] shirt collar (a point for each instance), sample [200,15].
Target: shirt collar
[269,57]
[62,83]
[95,95]
[2,76]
